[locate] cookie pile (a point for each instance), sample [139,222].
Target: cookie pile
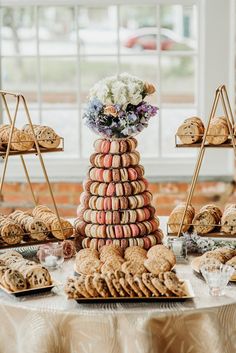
[45,135]
[17,273]
[202,222]
[115,206]
[218,131]
[176,216]
[228,220]
[207,219]
[23,140]
[217,257]
[134,273]
[34,225]
[49,218]
[191,130]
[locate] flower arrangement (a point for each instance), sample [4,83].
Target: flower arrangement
[197,244]
[116,107]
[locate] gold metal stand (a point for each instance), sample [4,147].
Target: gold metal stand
[220,95]
[38,151]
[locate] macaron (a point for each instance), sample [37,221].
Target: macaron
[132,174]
[102,189]
[80,211]
[92,159]
[111,189]
[109,241]
[110,232]
[93,202]
[142,229]
[132,242]
[124,202]
[116,161]
[99,203]
[127,189]
[140,242]
[132,144]
[123,146]
[88,230]
[115,203]
[97,174]
[139,170]
[124,243]
[86,243]
[134,230]
[101,217]
[125,160]
[151,210]
[108,217]
[153,239]
[149,227]
[133,202]
[124,217]
[93,244]
[136,187]
[84,199]
[118,231]
[147,243]
[115,217]
[145,182]
[101,243]
[108,160]
[127,231]
[105,146]
[114,147]
[132,216]
[107,203]
[101,231]
[119,189]
[140,214]
[99,160]
[107,175]
[86,184]
[97,145]
[87,216]
[124,174]
[116,175]
[154,223]
[92,217]
[94,187]
[80,227]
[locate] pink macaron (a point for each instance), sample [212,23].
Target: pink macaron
[108,161]
[132,174]
[107,203]
[118,231]
[111,189]
[101,217]
[105,146]
[134,230]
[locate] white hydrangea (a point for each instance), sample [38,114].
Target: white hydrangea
[123,90]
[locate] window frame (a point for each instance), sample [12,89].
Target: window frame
[71,168]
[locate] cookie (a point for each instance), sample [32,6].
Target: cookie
[133,267]
[45,135]
[127,288]
[110,285]
[88,265]
[88,282]
[218,131]
[176,216]
[146,292]
[172,282]
[157,265]
[130,280]
[100,285]
[161,251]
[146,278]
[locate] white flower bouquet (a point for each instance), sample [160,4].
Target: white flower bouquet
[116,107]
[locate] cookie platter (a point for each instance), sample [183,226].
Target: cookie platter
[214,234]
[179,144]
[186,285]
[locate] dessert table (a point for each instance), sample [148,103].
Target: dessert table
[50,323]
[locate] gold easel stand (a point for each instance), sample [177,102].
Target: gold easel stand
[220,95]
[12,120]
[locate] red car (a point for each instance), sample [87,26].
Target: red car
[146,39]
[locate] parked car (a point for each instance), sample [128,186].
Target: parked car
[146,39]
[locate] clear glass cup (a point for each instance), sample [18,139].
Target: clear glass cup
[51,255]
[179,247]
[217,277]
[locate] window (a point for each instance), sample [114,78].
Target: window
[53,54]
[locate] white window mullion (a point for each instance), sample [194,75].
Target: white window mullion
[78,90]
[158,39]
[38,65]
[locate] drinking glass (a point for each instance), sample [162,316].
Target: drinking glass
[179,247]
[217,277]
[51,255]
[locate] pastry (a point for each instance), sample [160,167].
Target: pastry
[176,216]
[13,280]
[11,232]
[45,135]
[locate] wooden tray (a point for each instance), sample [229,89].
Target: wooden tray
[187,285]
[29,291]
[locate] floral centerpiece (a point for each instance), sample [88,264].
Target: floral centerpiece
[116,107]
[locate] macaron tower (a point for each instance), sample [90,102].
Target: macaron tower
[115,205]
